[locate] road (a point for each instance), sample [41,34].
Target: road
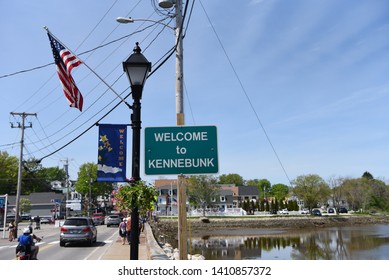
[50,249]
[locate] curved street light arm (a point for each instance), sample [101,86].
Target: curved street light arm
[131,20]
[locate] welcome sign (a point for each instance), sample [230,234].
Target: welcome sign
[181,150]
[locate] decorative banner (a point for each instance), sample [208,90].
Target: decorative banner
[111,165]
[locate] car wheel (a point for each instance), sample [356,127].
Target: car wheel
[108,225]
[62,244]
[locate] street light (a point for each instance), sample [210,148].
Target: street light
[132,20]
[136,67]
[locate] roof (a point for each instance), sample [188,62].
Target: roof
[248,190]
[39,198]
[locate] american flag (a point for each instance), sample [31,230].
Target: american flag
[65,61]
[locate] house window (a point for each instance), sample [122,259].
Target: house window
[223,199]
[213,199]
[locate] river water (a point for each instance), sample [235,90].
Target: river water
[369,242]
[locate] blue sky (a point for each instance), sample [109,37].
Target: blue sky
[304,80]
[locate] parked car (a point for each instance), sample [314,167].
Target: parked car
[316,212]
[46,220]
[78,230]
[98,219]
[113,220]
[342,210]
[273,211]
[331,211]
[25,217]
[304,211]
[284,212]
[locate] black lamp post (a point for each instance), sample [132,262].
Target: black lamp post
[136,67]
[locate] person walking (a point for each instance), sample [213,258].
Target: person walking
[123,230]
[128,228]
[12,231]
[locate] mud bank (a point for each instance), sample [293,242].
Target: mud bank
[259,225]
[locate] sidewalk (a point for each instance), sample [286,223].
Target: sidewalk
[118,251]
[148,248]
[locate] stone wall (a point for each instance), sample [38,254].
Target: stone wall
[169,227]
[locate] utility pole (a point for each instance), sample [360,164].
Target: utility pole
[19,186]
[180,121]
[66,168]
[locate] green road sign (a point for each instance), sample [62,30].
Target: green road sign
[181,150]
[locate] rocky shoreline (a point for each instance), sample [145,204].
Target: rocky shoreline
[259,225]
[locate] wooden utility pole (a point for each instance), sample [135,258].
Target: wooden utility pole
[181,182]
[19,186]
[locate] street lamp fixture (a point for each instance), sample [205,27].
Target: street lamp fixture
[136,67]
[126,20]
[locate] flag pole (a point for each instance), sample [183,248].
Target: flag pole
[93,71]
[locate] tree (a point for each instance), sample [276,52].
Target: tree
[264,186]
[231,179]
[338,195]
[279,191]
[86,182]
[8,173]
[253,182]
[367,175]
[379,199]
[25,205]
[357,193]
[141,195]
[202,190]
[312,189]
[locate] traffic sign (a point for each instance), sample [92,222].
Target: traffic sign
[181,150]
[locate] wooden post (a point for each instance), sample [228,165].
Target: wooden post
[182,223]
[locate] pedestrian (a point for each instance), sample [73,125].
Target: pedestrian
[37,220]
[123,230]
[128,228]
[143,221]
[12,231]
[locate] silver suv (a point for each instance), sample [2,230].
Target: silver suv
[78,230]
[113,220]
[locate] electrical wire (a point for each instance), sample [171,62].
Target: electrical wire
[245,93]
[167,56]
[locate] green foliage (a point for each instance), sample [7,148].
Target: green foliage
[8,173]
[35,177]
[201,190]
[141,195]
[365,193]
[367,175]
[279,191]
[87,176]
[231,179]
[312,189]
[25,205]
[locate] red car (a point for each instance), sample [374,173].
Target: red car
[98,219]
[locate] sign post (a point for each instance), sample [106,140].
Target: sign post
[181,150]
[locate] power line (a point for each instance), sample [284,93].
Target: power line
[246,94]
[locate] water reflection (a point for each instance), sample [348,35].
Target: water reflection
[365,242]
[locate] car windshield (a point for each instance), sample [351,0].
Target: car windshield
[113,216]
[76,222]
